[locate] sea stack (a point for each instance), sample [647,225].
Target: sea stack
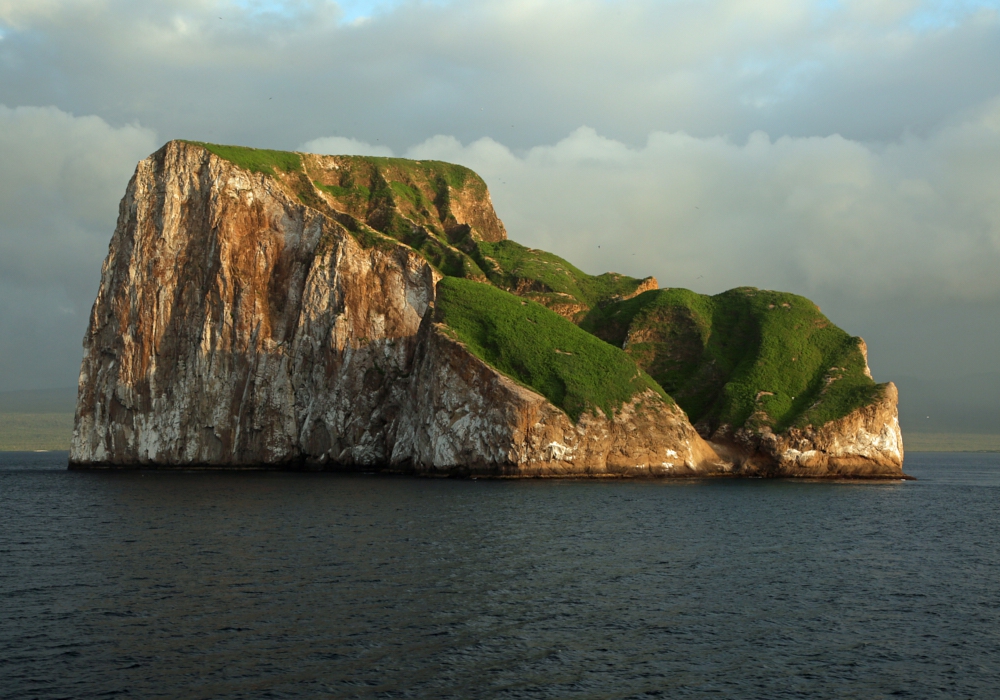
[264,309]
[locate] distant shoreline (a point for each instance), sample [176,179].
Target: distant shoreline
[951,452]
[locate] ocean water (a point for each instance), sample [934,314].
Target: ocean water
[255,585]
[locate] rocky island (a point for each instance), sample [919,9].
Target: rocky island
[269,309]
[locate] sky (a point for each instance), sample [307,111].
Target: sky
[845,150]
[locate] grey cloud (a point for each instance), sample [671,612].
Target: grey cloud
[523,73]
[61,178]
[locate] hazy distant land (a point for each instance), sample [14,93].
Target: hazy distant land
[43,420]
[37,420]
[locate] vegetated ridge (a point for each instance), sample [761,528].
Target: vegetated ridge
[540,349]
[764,375]
[746,357]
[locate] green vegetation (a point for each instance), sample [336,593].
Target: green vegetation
[359,191]
[455,176]
[405,176]
[368,237]
[410,194]
[446,259]
[743,357]
[35,431]
[542,350]
[512,266]
[256,160]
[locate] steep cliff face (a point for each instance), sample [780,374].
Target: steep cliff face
[234,324]
[865,442]
[463,416]
[245,320]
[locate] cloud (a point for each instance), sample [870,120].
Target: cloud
[61,178]
[917,218]
[342,146]
[246,73]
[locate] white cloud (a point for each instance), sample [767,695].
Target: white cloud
[918,218]
[226,72]
[451,150]
[342,146]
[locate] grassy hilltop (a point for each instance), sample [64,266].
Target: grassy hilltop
[539,348]
[746,357]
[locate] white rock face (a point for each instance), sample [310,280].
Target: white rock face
[865,443]
[466,417]
[234,325]
[238,327]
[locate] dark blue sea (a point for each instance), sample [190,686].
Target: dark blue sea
[275,585]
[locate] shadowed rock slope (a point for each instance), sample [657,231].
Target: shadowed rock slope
[270,309]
